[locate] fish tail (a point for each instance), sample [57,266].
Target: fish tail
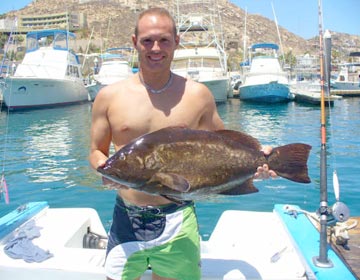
[290,162]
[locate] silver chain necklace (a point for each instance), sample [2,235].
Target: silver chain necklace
[157,91]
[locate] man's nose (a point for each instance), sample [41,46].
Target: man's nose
[156,45]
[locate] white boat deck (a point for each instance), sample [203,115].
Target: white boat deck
[242,246]
[62,234]
[250,245]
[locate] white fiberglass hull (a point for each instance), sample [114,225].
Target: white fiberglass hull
[346,85]
[219,89]
[26,93]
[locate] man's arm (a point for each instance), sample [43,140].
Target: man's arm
[100,132]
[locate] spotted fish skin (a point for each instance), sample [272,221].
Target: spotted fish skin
[194,164]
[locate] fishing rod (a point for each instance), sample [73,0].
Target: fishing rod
[3,185]
[339,211]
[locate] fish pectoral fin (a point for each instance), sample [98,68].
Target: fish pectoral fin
[171,180]
[245,188]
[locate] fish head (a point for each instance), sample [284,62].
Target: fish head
[135,162]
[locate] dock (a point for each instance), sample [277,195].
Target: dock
[350,252]
[346,93]
[314,97]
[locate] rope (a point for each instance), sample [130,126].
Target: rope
[339,231]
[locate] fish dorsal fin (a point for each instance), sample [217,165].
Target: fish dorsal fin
[241,137]
[171,180]
[245,188]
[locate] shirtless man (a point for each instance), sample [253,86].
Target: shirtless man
[148,230]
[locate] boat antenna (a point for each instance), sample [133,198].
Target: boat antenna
[278,33]
[244,40]
[87,48]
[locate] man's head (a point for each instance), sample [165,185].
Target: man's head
[155,11]
[155,38]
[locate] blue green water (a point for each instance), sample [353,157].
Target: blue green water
[43,154]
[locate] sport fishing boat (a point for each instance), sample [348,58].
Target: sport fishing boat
[49,75]
[265,80]
[115,65]
[40,242]
[349,76]
[201,53]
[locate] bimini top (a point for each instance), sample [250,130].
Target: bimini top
[56,38]
[265,46]
[49,32]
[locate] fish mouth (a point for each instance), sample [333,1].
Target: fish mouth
[116,181]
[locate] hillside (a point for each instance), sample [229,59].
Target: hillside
[113,20]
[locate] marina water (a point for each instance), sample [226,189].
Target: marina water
[44,157]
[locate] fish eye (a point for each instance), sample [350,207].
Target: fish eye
[122,156]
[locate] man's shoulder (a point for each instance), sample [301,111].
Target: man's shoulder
[116,88]
[198,90]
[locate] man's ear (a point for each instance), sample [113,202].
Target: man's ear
[134,40]
[177,40]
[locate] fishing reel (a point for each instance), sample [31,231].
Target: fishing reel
[339,210]
[339,213]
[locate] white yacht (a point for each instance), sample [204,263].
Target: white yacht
[265,80]
[201,54]
[115,65]
[49,75]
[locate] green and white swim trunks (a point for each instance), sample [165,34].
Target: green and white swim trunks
[164,238]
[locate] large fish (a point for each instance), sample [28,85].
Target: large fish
[186,164]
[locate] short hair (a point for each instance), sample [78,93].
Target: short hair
[155,11]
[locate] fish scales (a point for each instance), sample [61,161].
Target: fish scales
[191,164]
[214,162]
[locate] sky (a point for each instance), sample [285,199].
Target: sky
[301,16]
[298,16]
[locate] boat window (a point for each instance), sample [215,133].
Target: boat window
[60,41]
[72,71]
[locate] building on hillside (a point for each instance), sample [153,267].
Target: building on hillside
[7,24]
[26,23]
[71,21]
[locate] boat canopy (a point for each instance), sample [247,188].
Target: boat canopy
[56,37]
[265,46]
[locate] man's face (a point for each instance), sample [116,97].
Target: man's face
[155,42]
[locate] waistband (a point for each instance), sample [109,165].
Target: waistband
[158,210]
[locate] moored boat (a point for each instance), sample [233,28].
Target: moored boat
[49,75]
[115,65]
[265,81]
[201,54]
[348,77]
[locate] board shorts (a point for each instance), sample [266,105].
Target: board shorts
[164,239]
